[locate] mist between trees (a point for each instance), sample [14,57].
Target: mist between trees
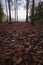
[33,11]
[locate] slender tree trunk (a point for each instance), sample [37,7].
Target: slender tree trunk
[27,3]
[9,11]
[15,9]
[32,19]
[39,10]
[6,9]
[1,11]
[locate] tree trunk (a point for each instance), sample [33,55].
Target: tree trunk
[39,10]
[6,9]
[9,11]
[16,10]
[27,3]
[32,19]
[1,11]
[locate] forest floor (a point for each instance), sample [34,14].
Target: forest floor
[21,44]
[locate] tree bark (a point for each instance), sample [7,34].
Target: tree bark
[6,9]
[27,4]
[32,19]
[9,11]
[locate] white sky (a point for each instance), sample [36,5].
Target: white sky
[21,13]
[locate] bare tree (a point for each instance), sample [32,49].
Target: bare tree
[27,4]
[9,10]
[1,12]
[6,9]
[39,9]
[16,9]
[32,12]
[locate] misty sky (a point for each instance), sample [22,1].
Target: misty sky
[21,9]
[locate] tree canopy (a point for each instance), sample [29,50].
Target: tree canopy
[39,13]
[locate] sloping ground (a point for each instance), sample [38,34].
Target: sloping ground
[21,44]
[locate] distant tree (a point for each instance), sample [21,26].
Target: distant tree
[32,12]
[27,4]
[6,9]
[39,12]
[16,9]
[39,7]
[1,13]
[9,1]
